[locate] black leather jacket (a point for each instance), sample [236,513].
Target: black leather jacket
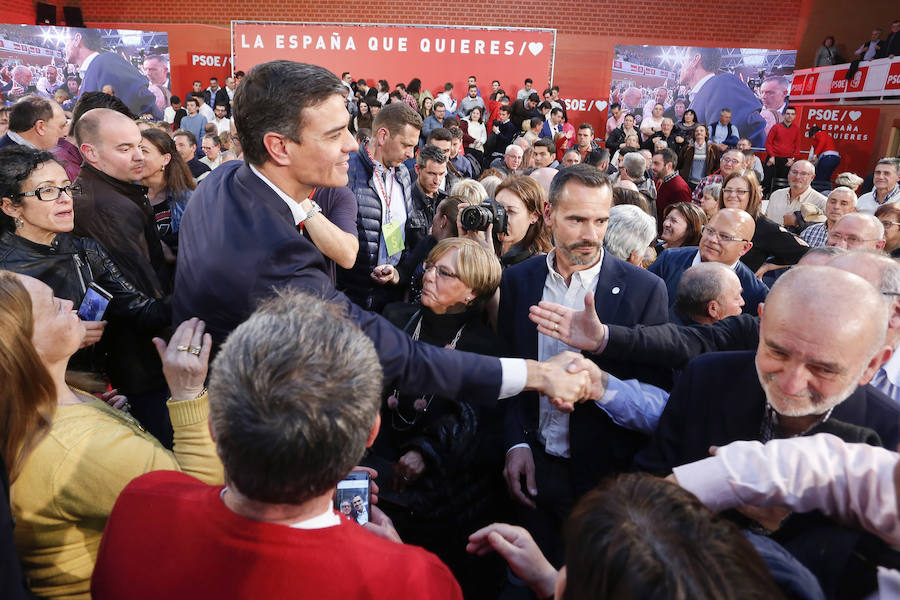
[68,265]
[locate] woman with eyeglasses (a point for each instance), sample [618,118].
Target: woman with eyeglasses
[36,240]
[770,241]
[435,455]
[889,215]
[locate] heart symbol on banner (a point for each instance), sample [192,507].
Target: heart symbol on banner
[854,114]
[535,48]
[600,104]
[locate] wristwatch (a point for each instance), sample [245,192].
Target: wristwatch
[316,209]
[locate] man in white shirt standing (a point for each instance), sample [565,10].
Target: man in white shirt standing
[887,189]
[783,202]
[221,120]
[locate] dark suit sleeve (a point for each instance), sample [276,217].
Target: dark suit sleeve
[673,346]
[416,366]
[779,244]
[663,452]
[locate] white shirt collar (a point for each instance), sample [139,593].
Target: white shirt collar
[296,210]
[19,139]
[87,62]
[329,518]
[697,261]
[585,276]
[699,84]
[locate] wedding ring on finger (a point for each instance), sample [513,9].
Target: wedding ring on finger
[182,348]
[556,327]
[195,350]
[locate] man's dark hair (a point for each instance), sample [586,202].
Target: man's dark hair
[547,91]
[373,102]
[584,174]
[192,98]
[790,107]
[615,105]
[174,99]
[192,139]
[344,74]
[473,87]
[710,58]
[432,153]
[362,82]
[448,86]
[556,111]
[216,79]
[533,97]
[92,100]
[92,39]
[668,156]
[437,105]
[239,74]
[597,157]
[222,106]
[272,99]
[440,134]
[400,86]
[528,80]
[587,126]
[505,108]
[455,132]
[554,88]
[28,111]
[548,144]
[394,94]
[280,434]
[638,536]
[394,117]
[546,105]
[213,138]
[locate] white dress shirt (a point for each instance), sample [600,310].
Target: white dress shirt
[553,425]
[780,203]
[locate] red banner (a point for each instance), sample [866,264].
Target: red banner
[893,78]
[853,129]
[399,53]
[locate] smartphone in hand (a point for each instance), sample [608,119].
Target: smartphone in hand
[351,498]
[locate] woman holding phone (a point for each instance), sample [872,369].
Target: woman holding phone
[36,223]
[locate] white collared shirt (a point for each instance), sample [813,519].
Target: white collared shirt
[553,425]
[296,210]
[87,62]
[699,85]
[19,139]
[329,518]
[697,261]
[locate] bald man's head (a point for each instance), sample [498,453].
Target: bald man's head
[883,273]
[110,142]
[544,176]
[822,333]
[857,231]
[736,225]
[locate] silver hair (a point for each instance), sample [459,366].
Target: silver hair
[294,393]
[490,184]
[469,191]
[511,147]
[630,230]
[700,285]
[634,164]
[714,190]
[845,190]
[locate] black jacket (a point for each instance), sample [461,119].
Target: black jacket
[773,243]
[68,265]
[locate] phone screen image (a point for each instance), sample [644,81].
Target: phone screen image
[93,305]
[352,497]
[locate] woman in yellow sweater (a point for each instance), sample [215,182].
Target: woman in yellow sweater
[70,480]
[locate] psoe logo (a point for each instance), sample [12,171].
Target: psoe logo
[583,105]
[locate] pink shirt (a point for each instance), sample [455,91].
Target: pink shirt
[852,482]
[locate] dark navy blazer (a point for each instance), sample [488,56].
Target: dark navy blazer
[108,68]
[728,91]
[238,242]
[625,295]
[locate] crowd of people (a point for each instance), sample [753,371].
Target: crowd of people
[873,48]
[650,364]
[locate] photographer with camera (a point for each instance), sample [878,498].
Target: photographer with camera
[516,217]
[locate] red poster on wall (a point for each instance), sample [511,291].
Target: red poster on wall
[398,53]
[853,129]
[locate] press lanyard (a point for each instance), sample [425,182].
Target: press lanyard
[386,194]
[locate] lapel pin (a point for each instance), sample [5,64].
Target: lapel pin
[615,290]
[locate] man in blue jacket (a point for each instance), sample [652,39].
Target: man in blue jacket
[725,240]
[711,91]
[98,69]
[241,238]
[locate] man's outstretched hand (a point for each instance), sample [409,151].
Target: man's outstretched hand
[580,329]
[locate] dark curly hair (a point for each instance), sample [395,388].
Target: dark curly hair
[16,164]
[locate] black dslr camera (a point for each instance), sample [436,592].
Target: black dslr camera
[477,218]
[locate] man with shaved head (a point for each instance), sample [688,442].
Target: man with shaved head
[113,209]
[724,240]
[708,292]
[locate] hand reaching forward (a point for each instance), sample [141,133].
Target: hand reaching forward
[520,551]
[580,329]
[563,384]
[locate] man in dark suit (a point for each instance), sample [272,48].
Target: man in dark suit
[725,240]
[35,121]
[712,91]
[215,95]
[240,237]
[98,69]
[562,456]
